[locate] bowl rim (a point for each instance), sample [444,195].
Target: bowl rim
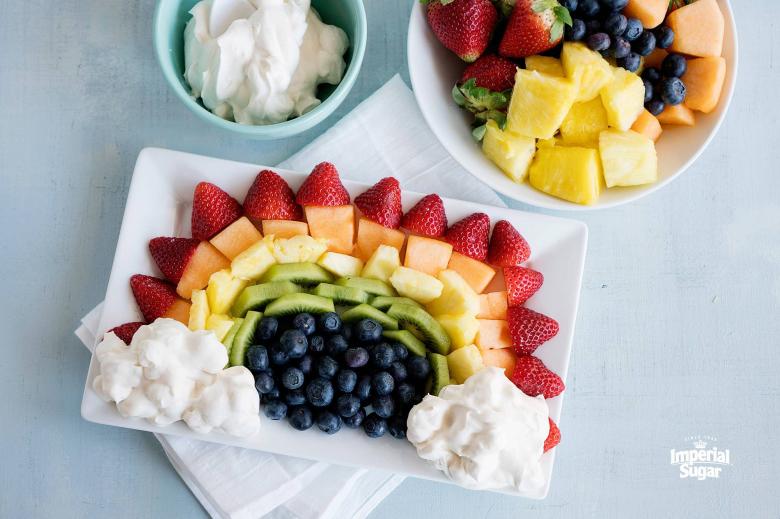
[564,205]
[276,130]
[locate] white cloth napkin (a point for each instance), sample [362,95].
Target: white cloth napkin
[384,136]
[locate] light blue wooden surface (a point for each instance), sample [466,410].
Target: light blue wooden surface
[677,333]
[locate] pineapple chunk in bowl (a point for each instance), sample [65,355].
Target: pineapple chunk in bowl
[434,70]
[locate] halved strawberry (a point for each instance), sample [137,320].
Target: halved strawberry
[521,284]
[553,437]
[153,295]
[382,203]
[212,210]
[529,329]
[172,255]
[126,331]
[323,187]
[534,378]
[427,217]
[470,236]
[508,248]
[270,198]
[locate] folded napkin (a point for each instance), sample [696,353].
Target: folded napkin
[383,136]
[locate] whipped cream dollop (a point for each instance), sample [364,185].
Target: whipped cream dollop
[484,433]
[170,373]
[265,68]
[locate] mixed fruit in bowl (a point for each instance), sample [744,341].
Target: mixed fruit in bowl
[572,95]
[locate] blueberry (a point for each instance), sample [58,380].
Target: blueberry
[279,357]
[384,406]
[327,367]
[418,367]
[648,89]
[294,343]
[400,351]
[613,5]
[588,8]
[396,426]
[271,395]
[645,44]
[615,24]
[621,48]
[292,378]
[652,74]
[633,29]
[275,409]
[301,418]
[398,371]
[257,358]
[295,397]
[571,5]
[319,392]
[405,393]
[599,41]
[267,328]
[674,65]
[317,344]
[374,425]
[592,27]
[382,383]
[630,62]
[655,106]
[346,379]
[664,37]
[347,405]
[305,323]
[305,364]
[330,322]
[356,357]
[328,422]
[368,331]
[672,91]
[336,345]
[264,382]
[363,388]
[382,356]
[354,421]
[574,32]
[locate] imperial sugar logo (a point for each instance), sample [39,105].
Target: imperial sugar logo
[704,460]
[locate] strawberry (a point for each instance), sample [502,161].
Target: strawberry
[534,26]
[470,236]
[553,437]
[427,217]
[382,203]
[212,211]
[534,379]
[521,284]
[153,295]
[323,187]
[463,26]
[172,255]
[529,329]
[508,248]
[126,331]
[492,72]
[270,198]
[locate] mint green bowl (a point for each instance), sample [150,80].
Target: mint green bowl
[171,17]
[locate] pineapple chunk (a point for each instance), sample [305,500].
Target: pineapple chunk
[199,311]
[512,153]
[223,290]
[464,362]
[299,249]
[583,124]
[341,265]
[219,324]
[253,262]
[416,285]
[573,174]
[382,263]
[545,64]
[539,104]
[462,328]
[623,99]
[457,296]
[548,143]
[628,158]
[586,68]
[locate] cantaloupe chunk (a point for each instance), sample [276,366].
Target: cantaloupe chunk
[476,273]
[504,359]
[335,224]
[647,125]
[180,311]
[236,238]
[498,283]
[654,59]
[678,114]
[371,235]
[492,305]
[493,334]
[427,255]
[284,228]
[704,83]
[650,12]
[698,29]
[205,261]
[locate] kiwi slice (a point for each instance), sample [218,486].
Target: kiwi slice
[243,338]
[231,334]
[303,273]
[435,336]
[365,311]
[405,337]
[440,373]
[385,302]
[292,304]
[257,296]
[372,286]
[344,295]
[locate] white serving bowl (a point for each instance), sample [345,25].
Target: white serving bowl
[434,70]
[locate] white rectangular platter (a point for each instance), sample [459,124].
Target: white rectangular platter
[159,204]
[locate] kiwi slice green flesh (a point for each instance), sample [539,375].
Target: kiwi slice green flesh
[385,302]
[372,286]
[405,337]
[292,304]
[365,311]
[302,273]
[243,338]
[440,373]
[231,334]
[436,338]
[257,296]
[344,295]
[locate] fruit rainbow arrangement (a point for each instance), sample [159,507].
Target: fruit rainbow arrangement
[572,95]
[348,313]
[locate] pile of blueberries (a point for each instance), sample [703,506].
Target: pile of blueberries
[329,373]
